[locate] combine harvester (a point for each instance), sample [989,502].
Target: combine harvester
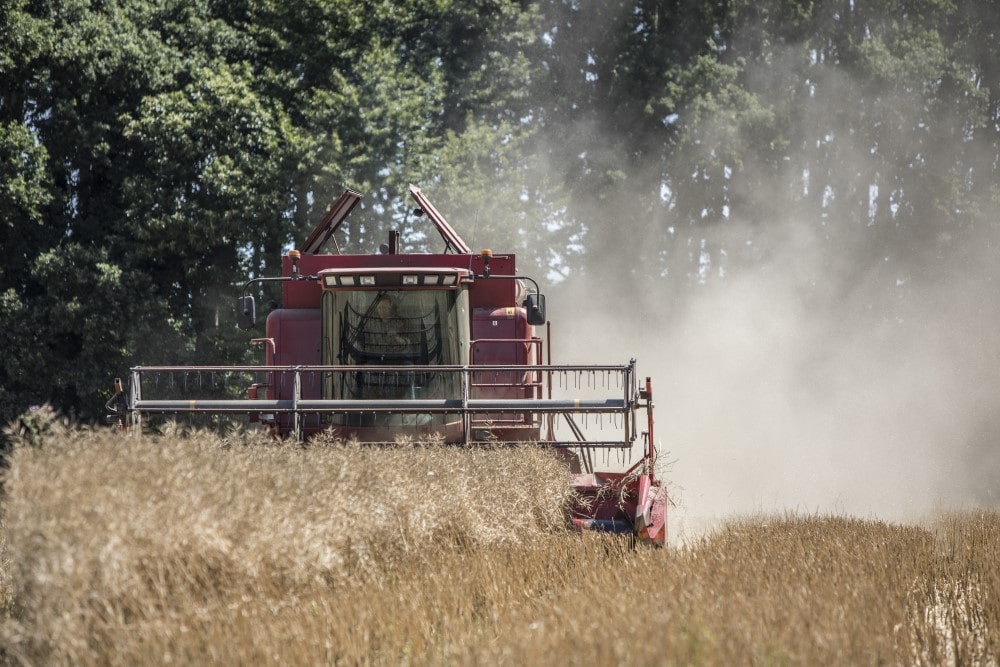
[389,345]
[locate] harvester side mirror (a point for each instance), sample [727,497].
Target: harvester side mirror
[246,312]
[535,305]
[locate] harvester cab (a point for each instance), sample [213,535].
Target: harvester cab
[444,345]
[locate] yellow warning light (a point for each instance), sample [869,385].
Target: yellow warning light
[486,254]
[294,254]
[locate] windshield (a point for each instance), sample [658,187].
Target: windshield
[383,328]
[394,328]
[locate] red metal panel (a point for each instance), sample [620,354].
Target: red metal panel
[500,337]
[494,292]
[298,337]
[504,329]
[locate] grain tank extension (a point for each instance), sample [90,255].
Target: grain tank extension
[452,345]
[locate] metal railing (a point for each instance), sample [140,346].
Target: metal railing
[481,395]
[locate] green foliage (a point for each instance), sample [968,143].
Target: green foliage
[24,191]
[154,154]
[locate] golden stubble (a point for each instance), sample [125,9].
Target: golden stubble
[195,548]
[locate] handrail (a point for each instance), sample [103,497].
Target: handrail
[408,405]
[465,404]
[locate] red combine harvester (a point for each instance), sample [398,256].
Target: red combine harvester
[389,345]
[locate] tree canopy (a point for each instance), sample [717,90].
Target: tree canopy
[156,153]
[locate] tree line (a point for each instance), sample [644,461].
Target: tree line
[154,154]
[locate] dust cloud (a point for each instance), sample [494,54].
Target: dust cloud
[837,367]
[861,393]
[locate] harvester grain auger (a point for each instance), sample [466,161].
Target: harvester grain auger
[445,345]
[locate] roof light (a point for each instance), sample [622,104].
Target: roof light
[486,254]
[392,277]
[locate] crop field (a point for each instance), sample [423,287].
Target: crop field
[200,548]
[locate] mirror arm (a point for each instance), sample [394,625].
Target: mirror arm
[538,298]
[281,279]
[246,312]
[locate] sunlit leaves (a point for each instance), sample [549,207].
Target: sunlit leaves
[23,179]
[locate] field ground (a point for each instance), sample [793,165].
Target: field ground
[199,548]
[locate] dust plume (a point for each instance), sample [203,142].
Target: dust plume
[776,392]
[833,366]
